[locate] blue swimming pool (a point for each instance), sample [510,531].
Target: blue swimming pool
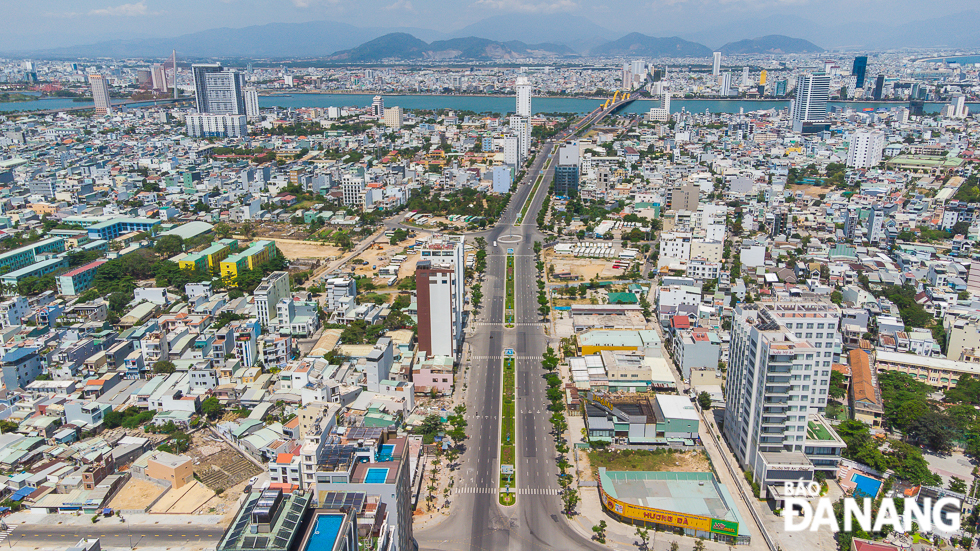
[385,453]
[865,486]
[376,476]
[325,533]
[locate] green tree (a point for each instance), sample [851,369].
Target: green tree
[164,366]
[212,408]
[600,531]
[957,485]
[704,400]
[169,245]
[837,383]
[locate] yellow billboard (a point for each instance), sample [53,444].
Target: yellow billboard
[668,518]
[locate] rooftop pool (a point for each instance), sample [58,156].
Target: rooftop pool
[325,532]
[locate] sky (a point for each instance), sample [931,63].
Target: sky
[41,24]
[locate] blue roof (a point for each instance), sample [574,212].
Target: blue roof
[22,493]
[18,353]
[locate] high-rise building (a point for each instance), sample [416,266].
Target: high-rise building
[781,88]
[809,108]
[439,289]
[218,91]
[778,382]
[270,291]
[252,105]
[762,77]
[159,78]
[337,290]
[745,76]
[568,170]
[865,148]
[876,225]
[956,108]
[523,87]
[512,151]
[353,189]
[522,129]
[716,64]
[726,83]
[503,177]
[859,70]
[662,112]
[144,77]
[879,86]
[100,93]
[378,107]
[394,117]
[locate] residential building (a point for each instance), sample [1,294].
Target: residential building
[394,117]
[523,87]
[809,108]
[100,93]
[338,289]
[204,125]
[218,90]
[20,366]
[273,288]
[865,148]
[79,280]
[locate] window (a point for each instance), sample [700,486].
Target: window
[819,326]
[819,335]
[799,326]
[809,326]
[809,335]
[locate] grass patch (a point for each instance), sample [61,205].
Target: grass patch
[508,499]
[509,300]
[633,460]
[530,198]
[507,424]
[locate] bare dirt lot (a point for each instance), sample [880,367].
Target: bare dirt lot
[643,460]
[810,191]
[293,249]
[136,494]
[584,268]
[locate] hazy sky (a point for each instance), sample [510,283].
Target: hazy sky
[52,23]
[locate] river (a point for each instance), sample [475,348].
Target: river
[492,104]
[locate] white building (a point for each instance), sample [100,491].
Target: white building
[353,188]
[675,248]
[865,148]
[216,126]
[523,96]
[439,283]
[770,396]
[522,129]
[512,151]
[12,310]
[252,105]
[716,64]
[378,107]
[270,291]
[502,179]
[337,289]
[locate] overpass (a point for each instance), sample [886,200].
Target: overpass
[602,112]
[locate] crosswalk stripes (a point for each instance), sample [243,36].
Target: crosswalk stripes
[473,490]
[502,357]
[501,324]
[6,530]
[520,491]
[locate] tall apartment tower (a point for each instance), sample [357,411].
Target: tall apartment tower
[879,88]
[865,148]
[158,77]
[439,283]
[252,105]
[810,106]
[778,379]
[270,291]
[523,86]
[716,64]
[378,107]
[100,93]
[218,91]
[522,129]
[860,70]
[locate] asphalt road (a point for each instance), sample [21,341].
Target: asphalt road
[477,522]
[113,533]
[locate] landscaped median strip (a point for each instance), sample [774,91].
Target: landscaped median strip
[508,475]
[534,190]
[509,292]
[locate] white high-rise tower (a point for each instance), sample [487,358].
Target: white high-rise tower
[100,93]
[716,64]
[523,97]
[810,104]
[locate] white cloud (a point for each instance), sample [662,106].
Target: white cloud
[400,5]
[531,6]
[125,10]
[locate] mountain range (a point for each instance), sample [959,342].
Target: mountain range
[319,39]
[404,46]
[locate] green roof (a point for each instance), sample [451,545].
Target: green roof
[622,298]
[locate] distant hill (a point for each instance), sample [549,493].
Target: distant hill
[636,44]
[405,46]
[772,44]
[574,31]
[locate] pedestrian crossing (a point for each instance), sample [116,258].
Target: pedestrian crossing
[472,490]
[502,357]
[538,491]
[502,324]
[519,491]
[5,531]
